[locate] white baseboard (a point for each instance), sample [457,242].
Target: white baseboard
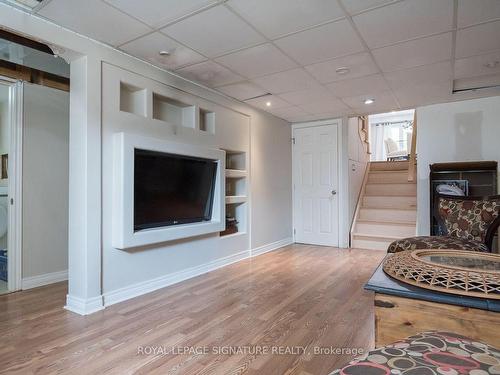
[83,306]
[272,246]
[45,279]
[144,287]
[148,286]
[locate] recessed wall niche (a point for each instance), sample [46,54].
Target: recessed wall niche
[207,121]
[132,99]
[174,111]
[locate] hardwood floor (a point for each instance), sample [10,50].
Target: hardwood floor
[299,296]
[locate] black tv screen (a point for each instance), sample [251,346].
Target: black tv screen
[172,189]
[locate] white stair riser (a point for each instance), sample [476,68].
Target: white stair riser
[388,177]
[370,245]
[388,215]
[391,189]
[385,229]
[389,202]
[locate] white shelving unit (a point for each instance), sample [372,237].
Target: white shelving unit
[236,189]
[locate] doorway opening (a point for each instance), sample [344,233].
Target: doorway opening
[391,135]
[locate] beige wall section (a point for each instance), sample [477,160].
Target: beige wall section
[461,131]
[45,181]
[358,160]
[271,174]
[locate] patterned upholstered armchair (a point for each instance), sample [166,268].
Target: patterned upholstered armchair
[470,223]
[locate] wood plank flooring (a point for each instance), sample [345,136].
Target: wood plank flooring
[298,296]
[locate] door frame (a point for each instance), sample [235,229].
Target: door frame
[341,192]
[14,241]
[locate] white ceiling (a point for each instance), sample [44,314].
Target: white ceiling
[402,53]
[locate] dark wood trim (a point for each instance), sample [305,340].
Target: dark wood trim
[4,34]
[39,77]
[464,166]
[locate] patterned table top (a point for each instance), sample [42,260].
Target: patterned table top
[381,283]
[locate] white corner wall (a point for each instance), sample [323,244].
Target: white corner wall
[271,176]
[460,131]
[358,160]
[45,185]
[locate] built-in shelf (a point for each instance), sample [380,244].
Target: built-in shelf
[235,173]
[133,99]
[233,199]
[207,121]
[174,111]
[236,191]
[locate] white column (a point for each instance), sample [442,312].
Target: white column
[84,268]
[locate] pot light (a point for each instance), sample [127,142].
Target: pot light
[369,101]
[268,104]
[342,70]
[164,53]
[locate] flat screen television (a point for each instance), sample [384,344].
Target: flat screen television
[172,189]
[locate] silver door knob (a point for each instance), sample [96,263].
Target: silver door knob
[334,192]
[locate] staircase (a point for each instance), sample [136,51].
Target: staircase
[387,209]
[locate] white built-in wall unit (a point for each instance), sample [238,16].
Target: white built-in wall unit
[467,130]
[105,85]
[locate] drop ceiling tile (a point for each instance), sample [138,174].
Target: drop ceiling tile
[478,65]
[257,61]
[279,17]
[401,79]
[242,90]
[478,39]
[384,100]
[288,113]
[262,101]
[321,43]
[308,96]
[472,12]
[148,47]
[358,86]
[214,32]
[414,53]
[325,106]
[291,80]
[210,74]
[356,6]
[404,20]
[94,19]
[157,13]
[427,93]
[360,64]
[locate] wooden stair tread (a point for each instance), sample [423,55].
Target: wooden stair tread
[375,237]
[389,209]
[386,222]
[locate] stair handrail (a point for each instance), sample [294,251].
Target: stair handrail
[412,162]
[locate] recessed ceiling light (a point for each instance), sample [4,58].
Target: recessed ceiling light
[342,70]
[369,101]
[268,104]
[164,53]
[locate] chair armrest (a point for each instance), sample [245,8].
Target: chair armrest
[490,233]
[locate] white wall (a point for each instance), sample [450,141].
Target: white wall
[4,124]
[357,160]
[461,131]
[4,149]
[45,181]
[271,173]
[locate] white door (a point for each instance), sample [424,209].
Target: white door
[316,210]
